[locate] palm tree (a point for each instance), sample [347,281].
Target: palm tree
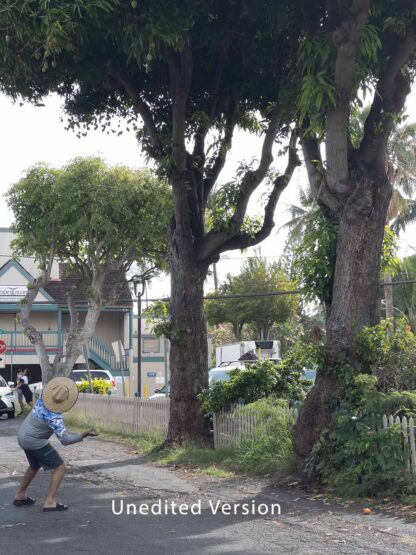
[405,292]
[401,170]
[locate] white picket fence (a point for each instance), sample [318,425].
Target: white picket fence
[407,427]
[232,426]
[118,414]
[237,424]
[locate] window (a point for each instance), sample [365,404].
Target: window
[151,345]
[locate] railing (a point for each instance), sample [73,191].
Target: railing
[18,340]
[118,414]
[99,348]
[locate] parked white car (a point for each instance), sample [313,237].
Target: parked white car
[80,376]
[160,393]
[7,402]
[222,372]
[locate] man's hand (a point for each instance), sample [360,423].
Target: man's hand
[92,432]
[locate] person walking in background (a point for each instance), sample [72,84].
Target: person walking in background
[26,391]
[58,396]
[19,376]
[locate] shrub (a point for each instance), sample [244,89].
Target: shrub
[255,382]
[389,354]
[397,403]
[359,459]
[270,447]
[99,386]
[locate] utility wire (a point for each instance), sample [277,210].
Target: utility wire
[272,293]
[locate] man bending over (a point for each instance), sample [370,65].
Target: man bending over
[58,396]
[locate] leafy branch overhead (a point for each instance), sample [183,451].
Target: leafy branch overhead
[107,58]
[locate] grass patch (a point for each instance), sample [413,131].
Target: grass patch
[198,458]
[269,451]
[144,443]
[213,462]
[217,472]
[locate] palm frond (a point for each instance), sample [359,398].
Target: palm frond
[405,218]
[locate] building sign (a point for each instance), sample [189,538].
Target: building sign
[10,293]
[151,374]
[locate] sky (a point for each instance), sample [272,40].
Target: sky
[32,134]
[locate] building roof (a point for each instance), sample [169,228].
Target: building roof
[58,289]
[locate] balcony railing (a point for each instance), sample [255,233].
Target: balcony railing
[100,353]
[17,340]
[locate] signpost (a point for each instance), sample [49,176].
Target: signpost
[3,346]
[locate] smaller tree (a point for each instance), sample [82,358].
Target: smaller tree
[98,220]
[260,313]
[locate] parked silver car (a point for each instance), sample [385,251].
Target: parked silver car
[6,399]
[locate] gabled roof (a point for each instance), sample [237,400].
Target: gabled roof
[12,263]
[58,289]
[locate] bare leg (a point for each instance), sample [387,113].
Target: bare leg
[20,399]
[25,483]
[56,479]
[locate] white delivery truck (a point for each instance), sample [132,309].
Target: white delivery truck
[240,351]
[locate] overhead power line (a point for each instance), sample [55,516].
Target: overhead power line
[271,293]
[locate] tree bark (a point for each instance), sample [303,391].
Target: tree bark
[388,295]
[189,347]
[355,303]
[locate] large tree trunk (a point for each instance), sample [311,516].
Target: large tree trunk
[355,303]
[189,349]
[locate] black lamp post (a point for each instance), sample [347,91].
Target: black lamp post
[139,283]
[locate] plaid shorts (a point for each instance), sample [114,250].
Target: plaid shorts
[47,457]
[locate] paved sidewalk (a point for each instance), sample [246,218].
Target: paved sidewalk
[101,471]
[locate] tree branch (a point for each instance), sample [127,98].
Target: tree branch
[352,19]
[390,95]
[140,106]
[316,174]
[214,170]
[34,336]
[243,240]
[180,71]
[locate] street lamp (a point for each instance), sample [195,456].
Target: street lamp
[139,284]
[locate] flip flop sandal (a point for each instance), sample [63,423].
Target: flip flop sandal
[24,502]
[59,507]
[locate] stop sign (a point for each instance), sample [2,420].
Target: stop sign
[3,346]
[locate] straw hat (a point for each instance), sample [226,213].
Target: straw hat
[60,394]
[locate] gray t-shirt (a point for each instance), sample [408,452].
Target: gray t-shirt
[40,424]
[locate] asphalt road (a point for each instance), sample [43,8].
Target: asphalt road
[101,471]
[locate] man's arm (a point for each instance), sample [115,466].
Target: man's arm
[67,438]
